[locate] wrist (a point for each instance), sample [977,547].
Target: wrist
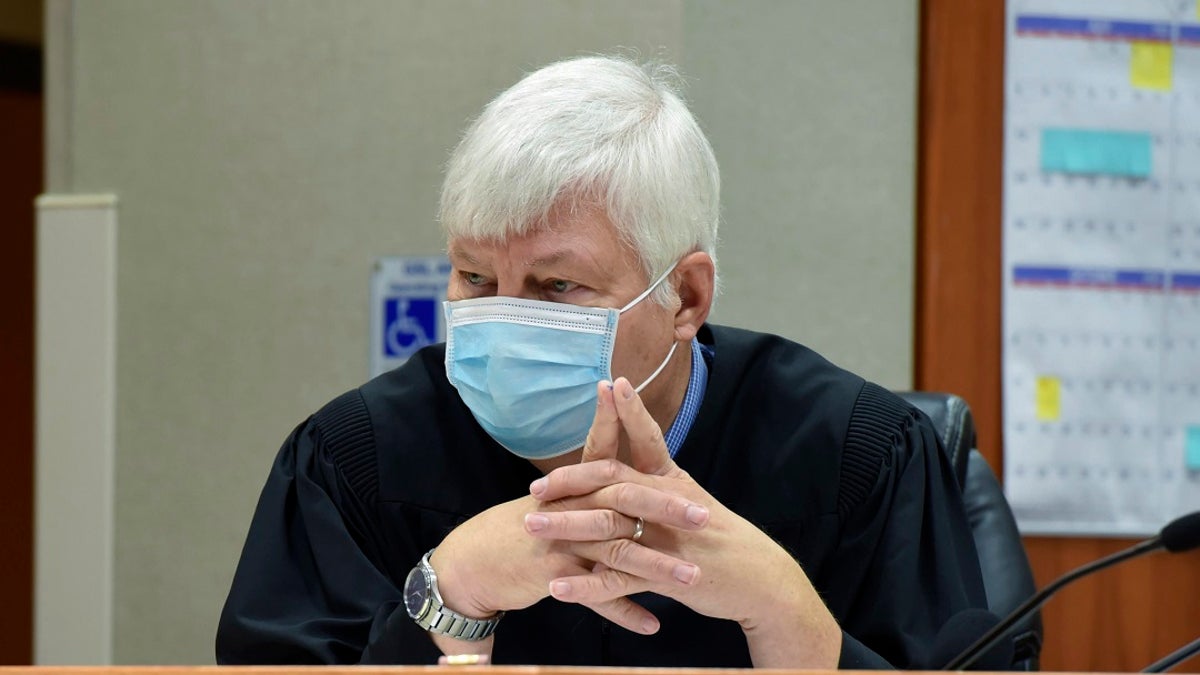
[793,630]
[426,606]
[455,588]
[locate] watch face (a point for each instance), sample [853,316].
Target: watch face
[416,593]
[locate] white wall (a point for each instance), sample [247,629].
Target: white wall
[265,153]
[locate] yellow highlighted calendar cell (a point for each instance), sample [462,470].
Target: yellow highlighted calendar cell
[1150,65]
[1048,398]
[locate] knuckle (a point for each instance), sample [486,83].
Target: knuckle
[656,434]
[651,433]
[610,469]
[613,582]
[621,553]
[660,567]
[623,496]
[623,612]
[675,508]
[554,482]
[604,524]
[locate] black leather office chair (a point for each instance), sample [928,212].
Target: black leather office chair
[1007,576]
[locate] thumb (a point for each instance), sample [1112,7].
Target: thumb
[604,436]
[648,452]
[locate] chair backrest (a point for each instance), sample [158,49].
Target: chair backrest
[1007,575]
[952,420]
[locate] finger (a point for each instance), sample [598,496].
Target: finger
[626,614]
[603,437]
[647,448]
[605,586]
[635,501]
[597,588]
[581,479]
[587,525]
[593,525]
[631,563]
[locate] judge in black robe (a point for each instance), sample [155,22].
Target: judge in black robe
[844,475]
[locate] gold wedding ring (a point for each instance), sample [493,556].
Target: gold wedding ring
[638,528]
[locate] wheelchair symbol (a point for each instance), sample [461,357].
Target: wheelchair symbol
[410,324]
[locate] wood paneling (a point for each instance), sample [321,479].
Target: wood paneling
[1121,619]
[20,183]
[1124,618]
[960,128]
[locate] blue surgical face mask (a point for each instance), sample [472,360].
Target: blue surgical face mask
[528,369]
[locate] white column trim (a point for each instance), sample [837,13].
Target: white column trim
[75,429]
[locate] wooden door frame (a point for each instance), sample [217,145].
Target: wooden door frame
[21,108]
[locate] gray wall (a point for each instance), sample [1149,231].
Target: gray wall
[810,107]
[265,153]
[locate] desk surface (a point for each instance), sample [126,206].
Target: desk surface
[401,670]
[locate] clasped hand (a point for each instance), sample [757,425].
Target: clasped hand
[578,524]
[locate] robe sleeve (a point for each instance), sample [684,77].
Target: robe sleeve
[311,585]
[906,561]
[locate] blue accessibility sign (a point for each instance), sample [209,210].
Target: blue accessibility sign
[406,297]
[408,325]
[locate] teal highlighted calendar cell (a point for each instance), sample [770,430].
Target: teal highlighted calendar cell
[1191,451]
[1116,153]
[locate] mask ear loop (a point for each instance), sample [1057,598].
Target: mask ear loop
[662,365]
[649,290]
[635,301]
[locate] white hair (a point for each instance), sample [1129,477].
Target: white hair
[588,133]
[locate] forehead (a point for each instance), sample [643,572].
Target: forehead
[585,238]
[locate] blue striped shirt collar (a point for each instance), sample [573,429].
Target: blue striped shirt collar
[697,383]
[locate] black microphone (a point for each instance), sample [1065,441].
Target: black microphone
[960,632]
[1181,534]
[1174,658]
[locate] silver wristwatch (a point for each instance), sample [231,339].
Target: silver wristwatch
[424,604]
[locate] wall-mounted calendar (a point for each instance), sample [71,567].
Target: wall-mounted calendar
[1102,264]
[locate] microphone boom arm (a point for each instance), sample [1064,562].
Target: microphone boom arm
[972,654]
[1174,658]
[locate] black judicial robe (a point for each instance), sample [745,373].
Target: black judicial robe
[846,476]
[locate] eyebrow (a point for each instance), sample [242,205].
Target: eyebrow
[551,259]
[456,252]
[542,261]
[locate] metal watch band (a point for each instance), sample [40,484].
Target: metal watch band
[440,619]
[448,622]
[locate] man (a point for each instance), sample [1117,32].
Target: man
[728,499]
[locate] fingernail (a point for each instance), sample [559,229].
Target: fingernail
[696,515]
[685,573]
[537,487]
[609,385]
[559,588]
[536,521]
[628,392]
[649,626]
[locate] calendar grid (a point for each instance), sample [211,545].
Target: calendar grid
[1101,247]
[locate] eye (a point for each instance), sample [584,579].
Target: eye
[474,279]
[562,286]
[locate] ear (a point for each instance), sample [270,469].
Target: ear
[694,279]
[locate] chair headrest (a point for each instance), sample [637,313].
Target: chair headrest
[951,417]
